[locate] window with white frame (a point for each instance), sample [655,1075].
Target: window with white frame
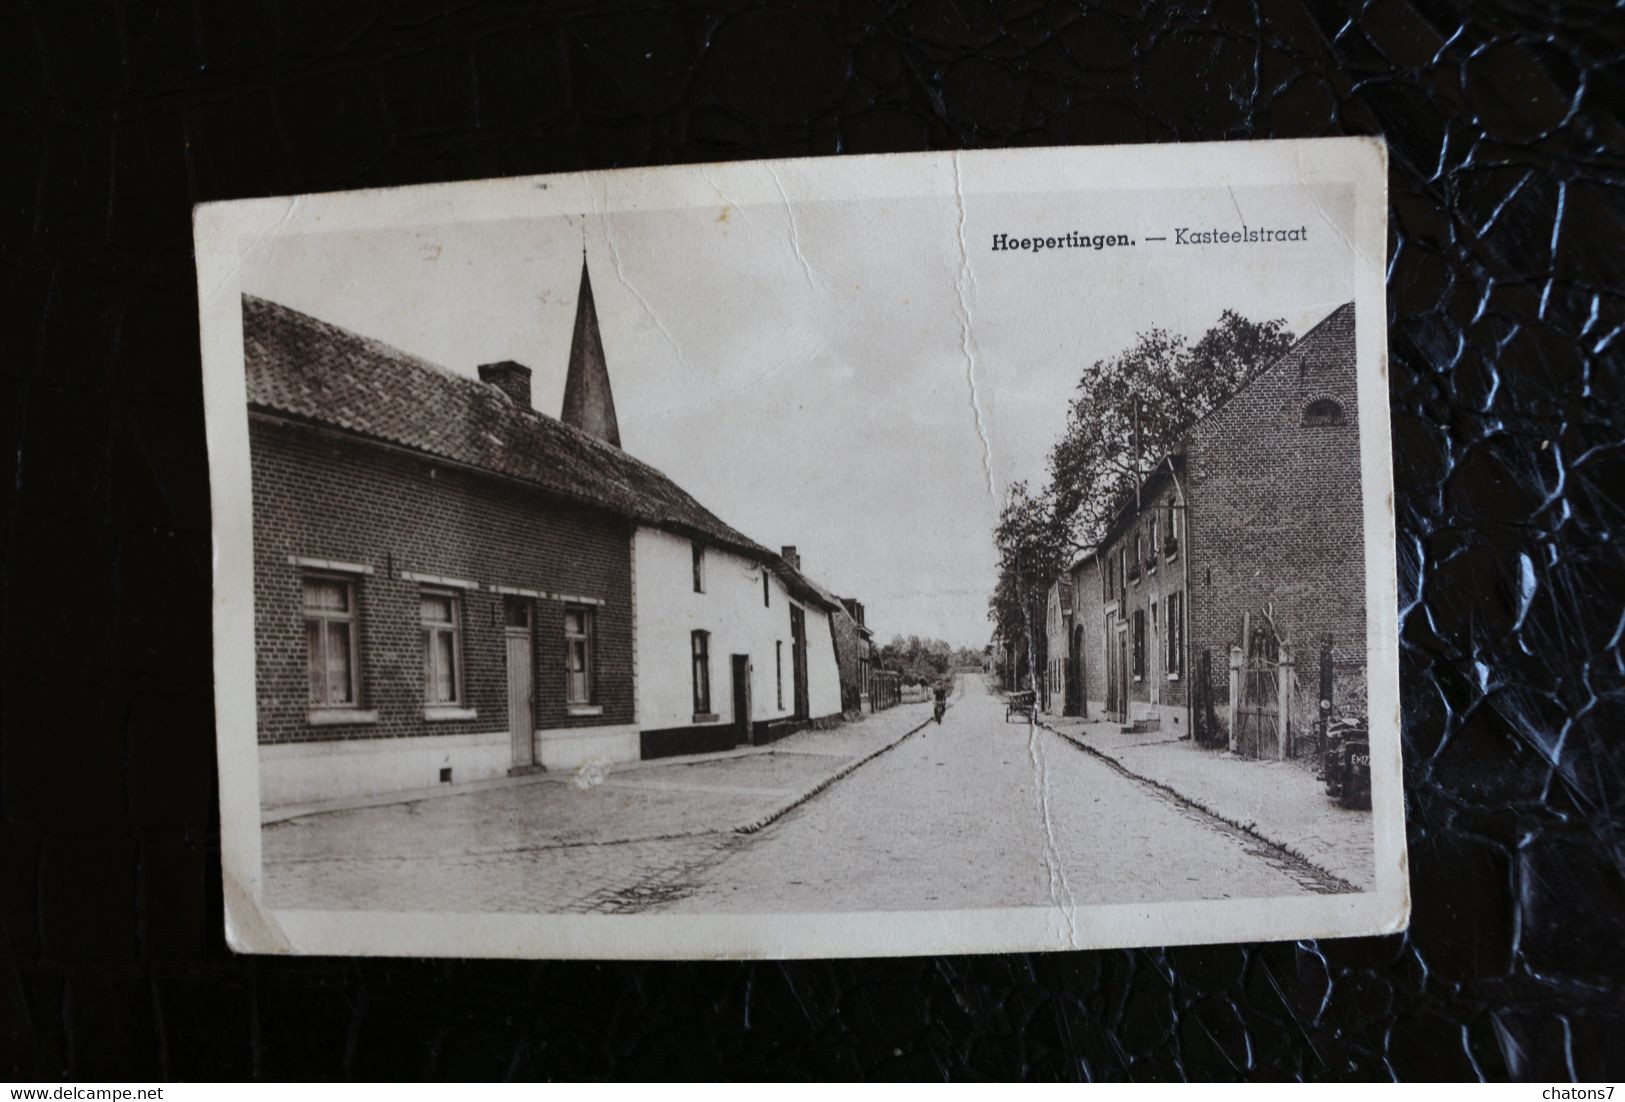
[442,646]
[697,552]
[330,641]
[578,654]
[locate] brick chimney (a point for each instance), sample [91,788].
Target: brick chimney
[788,554]
[513,379]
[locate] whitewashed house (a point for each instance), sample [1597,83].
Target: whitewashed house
[732,644]
[734,647]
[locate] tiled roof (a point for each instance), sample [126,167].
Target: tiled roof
[850,604]
[310,371]
[805,588]
[1130,509]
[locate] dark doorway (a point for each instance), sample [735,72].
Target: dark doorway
[1110,656]
[1076,705]
[741,697]
[1122,673]
[798,658]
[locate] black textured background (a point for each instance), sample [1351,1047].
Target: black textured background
[1505,307]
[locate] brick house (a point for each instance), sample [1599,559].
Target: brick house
[1143,567]
[854,654]
[450,585]
[1246,537]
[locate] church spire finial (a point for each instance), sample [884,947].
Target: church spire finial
[589,404]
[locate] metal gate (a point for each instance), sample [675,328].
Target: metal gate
[1258,712]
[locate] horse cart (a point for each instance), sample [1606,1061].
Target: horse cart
[1021,704]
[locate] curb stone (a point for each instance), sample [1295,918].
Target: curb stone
[845,771]
[753,826]
[750,827]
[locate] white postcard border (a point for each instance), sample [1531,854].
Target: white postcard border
[228,232]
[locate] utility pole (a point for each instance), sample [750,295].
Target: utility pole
[1137,455]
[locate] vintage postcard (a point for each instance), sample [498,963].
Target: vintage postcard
[888,555]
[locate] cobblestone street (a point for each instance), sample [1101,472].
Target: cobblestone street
[978,812]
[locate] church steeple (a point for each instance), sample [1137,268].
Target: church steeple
[588,403]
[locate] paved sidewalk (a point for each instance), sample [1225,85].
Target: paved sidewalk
[736,791]
[1279,801]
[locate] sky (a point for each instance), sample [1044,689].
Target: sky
[841,376]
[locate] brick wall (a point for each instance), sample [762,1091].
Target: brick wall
[1276,516]
[325,497]
[850,647]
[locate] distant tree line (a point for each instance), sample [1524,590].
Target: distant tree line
[923,661]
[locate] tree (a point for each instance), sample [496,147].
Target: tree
[1157,388]
[919,661]
[1033,550]
[1129,410]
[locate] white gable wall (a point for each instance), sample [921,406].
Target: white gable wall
[823,675]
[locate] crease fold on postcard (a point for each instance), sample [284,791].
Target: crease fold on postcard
[964,284]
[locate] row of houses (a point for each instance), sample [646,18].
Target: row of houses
[1226,598]
[452,586]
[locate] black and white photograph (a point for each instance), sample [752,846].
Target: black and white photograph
[813,542]
[913,554]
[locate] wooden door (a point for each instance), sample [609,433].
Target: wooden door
[741,698]
[798,658]
[1109,656]
[1076,694]
[1122,674]
[521,684]
[1153,655]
